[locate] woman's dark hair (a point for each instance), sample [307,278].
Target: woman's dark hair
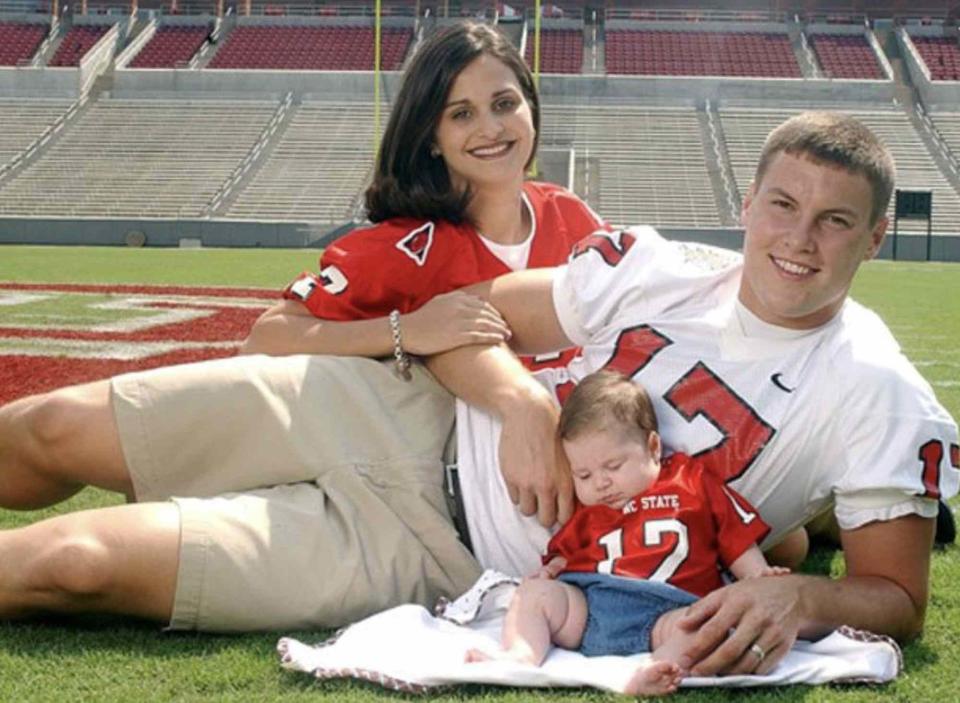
[408,181]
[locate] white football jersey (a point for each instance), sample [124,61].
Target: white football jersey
[797,420]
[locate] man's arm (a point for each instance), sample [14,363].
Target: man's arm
[444,322]
[492,378]
[884,591]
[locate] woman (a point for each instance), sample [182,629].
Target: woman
[452,209]
[309,486]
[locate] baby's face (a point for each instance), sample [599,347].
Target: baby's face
[612,466]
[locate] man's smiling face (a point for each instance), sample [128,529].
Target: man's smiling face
[807,228]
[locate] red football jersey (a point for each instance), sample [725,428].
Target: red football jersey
[402,263]
[679,531]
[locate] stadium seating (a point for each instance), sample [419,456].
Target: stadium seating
[77,42]
[171,46]
[640,165]
[19,41]
[561,50]
[293,47]
[745,128]
[846,56]
[942,56]
[25,120]
[317,169]
[139,158]
[677,53]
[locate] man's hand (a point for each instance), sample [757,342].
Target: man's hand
[531,459]
[744,628]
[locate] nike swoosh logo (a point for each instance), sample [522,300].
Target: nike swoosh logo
[779,384]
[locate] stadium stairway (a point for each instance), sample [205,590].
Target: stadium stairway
[906,94]
[594,49]
[718,166]
[257,156]
[206,54]
[49,47]
[801,51]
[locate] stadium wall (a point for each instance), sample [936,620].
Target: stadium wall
[161,233]
[243,233]
[359,84]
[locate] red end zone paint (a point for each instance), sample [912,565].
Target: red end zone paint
[200,323]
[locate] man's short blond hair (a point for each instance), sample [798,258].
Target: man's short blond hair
[836,139]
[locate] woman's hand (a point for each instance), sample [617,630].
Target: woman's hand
[452,320]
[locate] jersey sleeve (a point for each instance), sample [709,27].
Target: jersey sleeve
[370,272]
[900,446]
[634,271]
[739,525]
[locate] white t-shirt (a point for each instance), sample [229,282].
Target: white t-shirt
[514,256]
[798,422]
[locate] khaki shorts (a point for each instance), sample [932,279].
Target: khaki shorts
[310,488]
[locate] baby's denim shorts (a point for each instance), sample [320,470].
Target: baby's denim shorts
[621,612]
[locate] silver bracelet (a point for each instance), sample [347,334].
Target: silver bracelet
[401,361]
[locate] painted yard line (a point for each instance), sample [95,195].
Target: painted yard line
[150,312]
[212,291]
[11,299]
[121,351]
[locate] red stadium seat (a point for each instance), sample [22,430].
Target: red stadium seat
[19,41]
[171,45]
[315,48]
[695,53]
[77,42]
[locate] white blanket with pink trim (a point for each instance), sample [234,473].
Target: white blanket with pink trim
[407,648]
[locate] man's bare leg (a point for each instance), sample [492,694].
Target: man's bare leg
[54,444]
[121,559]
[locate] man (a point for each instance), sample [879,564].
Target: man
[765,371]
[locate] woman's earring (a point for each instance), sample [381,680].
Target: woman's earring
[434,151]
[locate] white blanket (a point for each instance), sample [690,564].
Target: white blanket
[408,649]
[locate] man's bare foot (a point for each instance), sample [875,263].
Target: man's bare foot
[654,679]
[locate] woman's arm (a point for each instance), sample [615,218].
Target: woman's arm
[491,378]
[447,321]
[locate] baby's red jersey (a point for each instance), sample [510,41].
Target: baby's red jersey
[680,531]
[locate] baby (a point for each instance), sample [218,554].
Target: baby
[644,543]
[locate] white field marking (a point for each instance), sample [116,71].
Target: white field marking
[83,349]
[925,363]
[945,384]
[18,298]
[924,337]
[152,317]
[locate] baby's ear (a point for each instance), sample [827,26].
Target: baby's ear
[653,446]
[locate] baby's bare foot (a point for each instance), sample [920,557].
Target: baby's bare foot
[476,655]
[654,679]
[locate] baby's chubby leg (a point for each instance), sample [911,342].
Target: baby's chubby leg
[542,612]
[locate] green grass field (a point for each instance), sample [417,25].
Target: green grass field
[105,659]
